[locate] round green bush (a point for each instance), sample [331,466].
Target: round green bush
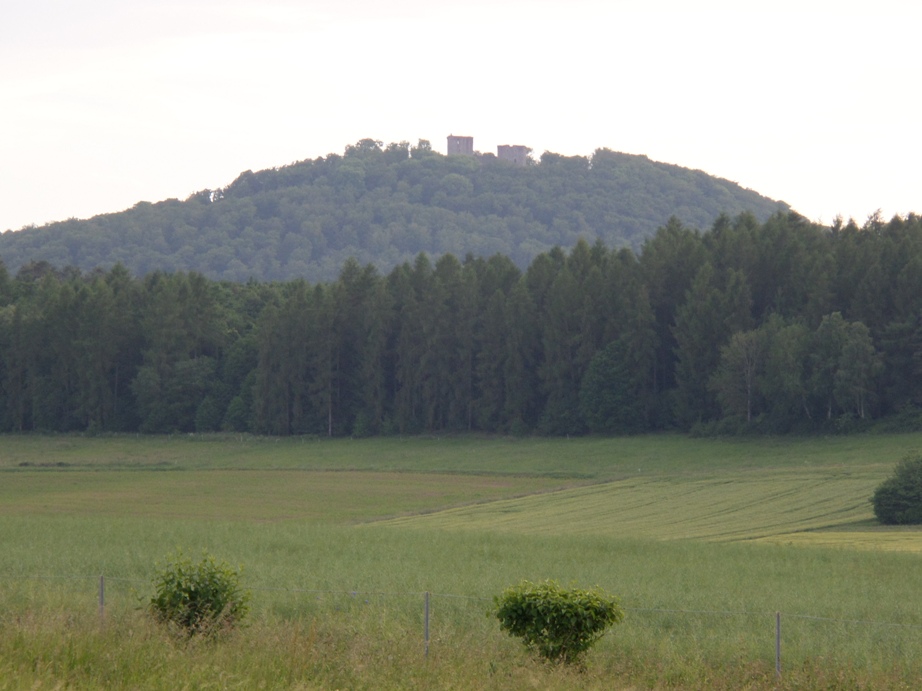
[559,623]
[198,598]
[898,499]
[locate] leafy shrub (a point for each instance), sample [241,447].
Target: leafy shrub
[907,419]
[898,499]
[203,597]
[559,623]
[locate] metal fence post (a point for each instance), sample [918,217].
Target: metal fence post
[426,625]
[102,598]
[778,644]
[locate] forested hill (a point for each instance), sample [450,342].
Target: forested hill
[385,204]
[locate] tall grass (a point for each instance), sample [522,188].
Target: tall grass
[51,650]
[690,601]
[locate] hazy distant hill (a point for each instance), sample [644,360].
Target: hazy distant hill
[383,205]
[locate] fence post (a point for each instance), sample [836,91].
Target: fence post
[102,598]
[426,624]
[778,644]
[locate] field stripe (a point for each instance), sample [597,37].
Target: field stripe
[317,496]
[743,506]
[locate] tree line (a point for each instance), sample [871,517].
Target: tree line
[778,326]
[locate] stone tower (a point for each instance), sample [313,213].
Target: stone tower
[514,153]
[460,146]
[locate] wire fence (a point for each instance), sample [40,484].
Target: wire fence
[883,642]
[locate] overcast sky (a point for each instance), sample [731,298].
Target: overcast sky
[104,103]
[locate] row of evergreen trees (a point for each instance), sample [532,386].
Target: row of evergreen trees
[783,325]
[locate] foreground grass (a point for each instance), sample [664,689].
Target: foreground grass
[379,649]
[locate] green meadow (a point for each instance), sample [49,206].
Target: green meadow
[703,540]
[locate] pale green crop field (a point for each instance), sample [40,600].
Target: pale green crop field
[772,505]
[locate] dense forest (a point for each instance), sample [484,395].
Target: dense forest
[773,326]
[382,205]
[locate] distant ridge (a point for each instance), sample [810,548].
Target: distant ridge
[385,204]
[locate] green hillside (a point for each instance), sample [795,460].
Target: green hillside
[385,204]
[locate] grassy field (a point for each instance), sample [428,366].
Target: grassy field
[596,458]
[703,540]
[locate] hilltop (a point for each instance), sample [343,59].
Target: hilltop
[383,205]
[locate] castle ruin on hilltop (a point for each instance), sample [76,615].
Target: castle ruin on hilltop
[516,154]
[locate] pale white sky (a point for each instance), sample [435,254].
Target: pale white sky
[104,103]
